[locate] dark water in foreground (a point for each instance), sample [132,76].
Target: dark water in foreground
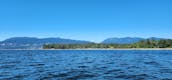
[85,65]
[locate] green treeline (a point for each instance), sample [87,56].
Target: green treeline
[142,44]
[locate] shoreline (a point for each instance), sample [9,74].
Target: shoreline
[99,49]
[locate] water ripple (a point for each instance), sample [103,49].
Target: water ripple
[85,65]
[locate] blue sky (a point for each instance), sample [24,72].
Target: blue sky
[92,20]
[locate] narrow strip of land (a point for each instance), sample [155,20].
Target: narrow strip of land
[99,49]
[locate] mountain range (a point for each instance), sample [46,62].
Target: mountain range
[37,43]
[127,40]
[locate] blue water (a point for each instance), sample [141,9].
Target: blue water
[85,65]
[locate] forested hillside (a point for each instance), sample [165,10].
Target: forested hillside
[149,43]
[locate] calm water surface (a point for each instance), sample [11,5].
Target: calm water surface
[85,65]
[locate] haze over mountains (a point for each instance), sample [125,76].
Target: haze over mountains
[127,40]
[37,43]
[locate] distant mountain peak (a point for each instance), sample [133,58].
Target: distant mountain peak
[33,42]
[126,40]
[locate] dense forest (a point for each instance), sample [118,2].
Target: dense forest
[166,43]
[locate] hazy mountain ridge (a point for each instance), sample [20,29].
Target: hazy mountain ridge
[35,43]
[127,40]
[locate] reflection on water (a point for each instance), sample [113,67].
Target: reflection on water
[85,65]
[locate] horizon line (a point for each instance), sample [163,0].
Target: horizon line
[79,39]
